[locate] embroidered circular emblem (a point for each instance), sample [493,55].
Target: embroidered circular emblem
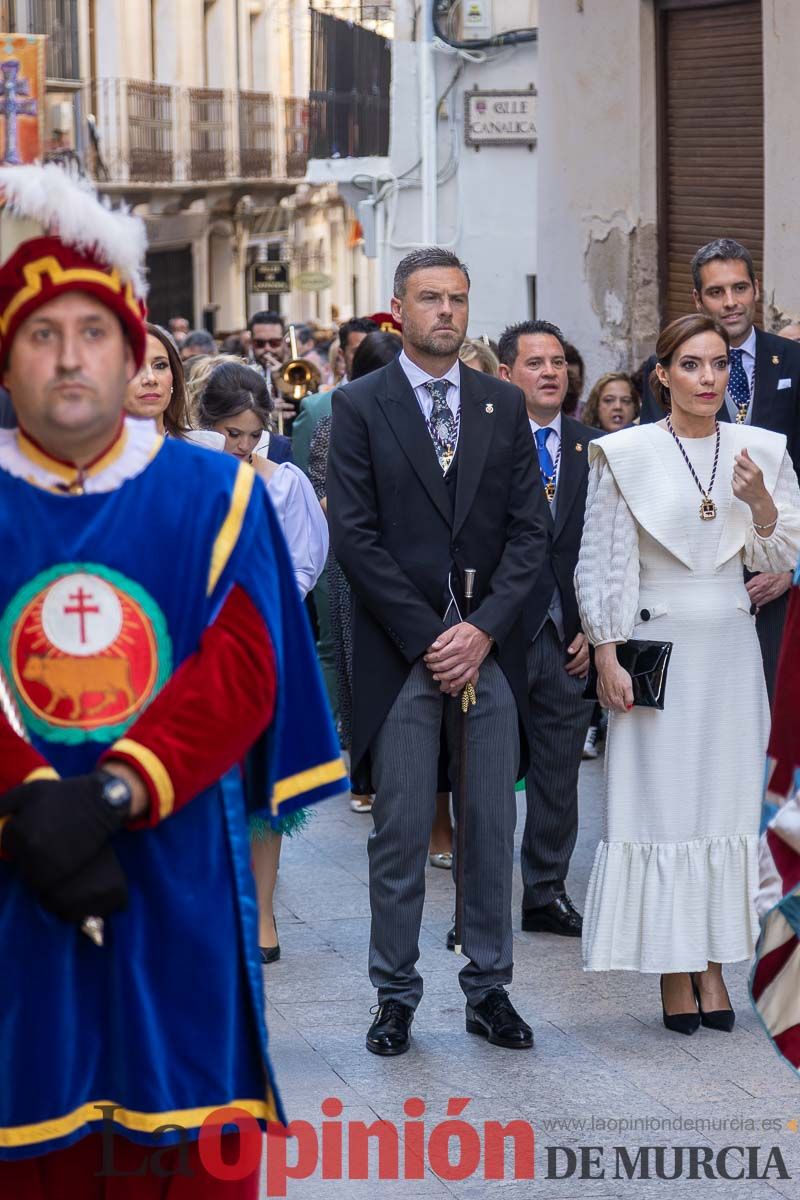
[86,650]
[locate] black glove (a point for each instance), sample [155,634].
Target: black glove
[58,826]
[97,890]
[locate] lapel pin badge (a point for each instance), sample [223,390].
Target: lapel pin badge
[490,408]
[775,360]
[579,446]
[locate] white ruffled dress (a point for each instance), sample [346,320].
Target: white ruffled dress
[674,878]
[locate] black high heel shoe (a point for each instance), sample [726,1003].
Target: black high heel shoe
[270,954]
[687,1023]
[722,1019]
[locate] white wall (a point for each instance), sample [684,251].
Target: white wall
[782,160]
[487,212]
[597,178]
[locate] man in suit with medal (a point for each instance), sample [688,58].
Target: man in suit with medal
[763,389]
[431,473]
[557,652]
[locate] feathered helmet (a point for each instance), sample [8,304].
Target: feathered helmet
[56,236]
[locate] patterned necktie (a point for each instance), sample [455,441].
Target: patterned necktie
[738,387]
[442,425]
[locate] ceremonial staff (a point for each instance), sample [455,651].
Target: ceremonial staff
[468,700]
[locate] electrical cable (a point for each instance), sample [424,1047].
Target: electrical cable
[512,37]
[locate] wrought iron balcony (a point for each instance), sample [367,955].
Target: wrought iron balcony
[349,96]
[160,134]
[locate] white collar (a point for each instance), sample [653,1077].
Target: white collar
[137,444]
[555,425]
[748,346]
[417,377]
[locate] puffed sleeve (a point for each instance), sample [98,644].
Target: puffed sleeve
[780,551]
[607,575]
[303,523]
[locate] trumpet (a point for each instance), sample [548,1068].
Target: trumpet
[294,379]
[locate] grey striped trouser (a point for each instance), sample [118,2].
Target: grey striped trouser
[405,755]
[559,721]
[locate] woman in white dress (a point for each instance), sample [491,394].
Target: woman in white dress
[234,406]
[674,511]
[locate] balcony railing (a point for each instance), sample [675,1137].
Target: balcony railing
[157,133]
[349,96]
[296,132]
[256,134]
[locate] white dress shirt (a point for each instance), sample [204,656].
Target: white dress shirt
[748,348]
[418,378]
[553,439]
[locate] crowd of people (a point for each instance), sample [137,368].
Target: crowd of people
[493,571]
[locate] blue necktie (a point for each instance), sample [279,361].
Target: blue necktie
[546,465]
[738,387]
[442,425]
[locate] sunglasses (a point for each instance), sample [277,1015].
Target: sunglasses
[275,343]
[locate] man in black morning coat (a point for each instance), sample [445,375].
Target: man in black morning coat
[432,471]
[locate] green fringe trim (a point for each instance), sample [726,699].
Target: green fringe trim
[286,826]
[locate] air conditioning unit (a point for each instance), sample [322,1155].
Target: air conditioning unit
[60,119]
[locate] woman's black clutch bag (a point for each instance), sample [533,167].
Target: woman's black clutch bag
[646,663]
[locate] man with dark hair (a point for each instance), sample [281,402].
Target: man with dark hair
[533,356]
[351,335]
[267,348]
[197,343]
[431,473]
[763,389]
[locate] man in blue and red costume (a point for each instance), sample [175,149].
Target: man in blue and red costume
[150,634]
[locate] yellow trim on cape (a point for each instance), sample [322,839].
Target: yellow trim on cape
[306,781]
[70,474]
[34,272]
[41,773]
[155,770]
[140,1122]
[231,527]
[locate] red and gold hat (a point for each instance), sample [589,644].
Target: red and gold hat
[55,237]
[386,322]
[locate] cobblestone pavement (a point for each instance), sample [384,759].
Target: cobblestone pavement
[602,1054]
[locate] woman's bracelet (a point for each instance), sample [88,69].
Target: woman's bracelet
[768,525]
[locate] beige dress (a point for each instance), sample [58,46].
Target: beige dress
[674,877]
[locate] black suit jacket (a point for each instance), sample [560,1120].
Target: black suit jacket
[777,358]
[398,532]
[565,532]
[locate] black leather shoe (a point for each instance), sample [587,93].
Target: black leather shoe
[451,938]
[270,954]
[496,1019]
[559,916]
[721,1019]
[687,1023]
[390,1032]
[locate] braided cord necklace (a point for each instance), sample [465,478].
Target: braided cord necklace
[708,509]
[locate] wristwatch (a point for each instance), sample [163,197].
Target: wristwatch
[117,794]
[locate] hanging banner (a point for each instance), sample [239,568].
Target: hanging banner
[21,98]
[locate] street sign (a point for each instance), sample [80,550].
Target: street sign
[500,118]
[313,281]
[268,277]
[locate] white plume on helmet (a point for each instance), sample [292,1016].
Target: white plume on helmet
[69,208]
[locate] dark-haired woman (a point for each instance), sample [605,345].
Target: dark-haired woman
[673,512]
[235,404]
[158,391]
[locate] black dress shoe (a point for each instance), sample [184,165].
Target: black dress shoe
[271,954]
[559,916]
[721,1019]
[451,938]
[687,1023]
[496,1019]
[390,1033]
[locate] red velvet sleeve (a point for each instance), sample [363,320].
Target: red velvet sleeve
[19,762]
[208,715]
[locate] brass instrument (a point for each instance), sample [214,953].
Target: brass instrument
[294,379]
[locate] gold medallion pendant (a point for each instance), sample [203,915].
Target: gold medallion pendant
[550,492]
[741,416]
[708,509]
